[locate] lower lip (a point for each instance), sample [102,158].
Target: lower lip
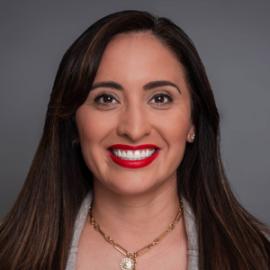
[134,164]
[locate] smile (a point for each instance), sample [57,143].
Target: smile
[133,156]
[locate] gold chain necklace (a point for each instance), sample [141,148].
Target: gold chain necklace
[129,261]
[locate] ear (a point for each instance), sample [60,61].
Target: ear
[191,134]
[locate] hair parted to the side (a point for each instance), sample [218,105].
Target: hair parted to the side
[37,232]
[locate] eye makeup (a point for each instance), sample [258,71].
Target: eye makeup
[109,100]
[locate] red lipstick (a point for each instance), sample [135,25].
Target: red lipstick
[133,164]
[133,147]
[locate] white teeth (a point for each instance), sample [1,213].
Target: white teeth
[133,155]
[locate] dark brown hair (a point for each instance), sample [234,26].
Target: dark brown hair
[37,232]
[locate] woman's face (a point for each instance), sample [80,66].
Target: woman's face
[139,98]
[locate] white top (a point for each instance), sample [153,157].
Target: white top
[82,218]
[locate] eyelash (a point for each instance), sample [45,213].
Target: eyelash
[169,98]
[98,98]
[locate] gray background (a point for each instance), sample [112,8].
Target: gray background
[232,38]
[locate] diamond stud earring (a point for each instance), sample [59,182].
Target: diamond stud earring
[192,137]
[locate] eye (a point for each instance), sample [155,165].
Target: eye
[105,99]
[160,99]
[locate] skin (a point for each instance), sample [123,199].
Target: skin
[134,206]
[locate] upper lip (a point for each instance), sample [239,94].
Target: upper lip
[133,147]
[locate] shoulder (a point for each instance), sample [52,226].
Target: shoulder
[79,223]
[192,235]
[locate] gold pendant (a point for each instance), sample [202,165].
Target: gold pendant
[128,263]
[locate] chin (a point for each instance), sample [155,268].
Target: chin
[135,186]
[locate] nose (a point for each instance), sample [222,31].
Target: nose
[133,123]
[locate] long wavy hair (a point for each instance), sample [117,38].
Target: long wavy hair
[37,232]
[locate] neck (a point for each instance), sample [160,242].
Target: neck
[133,220]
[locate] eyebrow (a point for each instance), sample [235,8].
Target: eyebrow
[148,86]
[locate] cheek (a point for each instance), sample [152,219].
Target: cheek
[92,132]
[174,126]
[91,127]
[177,129]
[89,133]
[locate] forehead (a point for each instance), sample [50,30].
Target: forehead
[138,57]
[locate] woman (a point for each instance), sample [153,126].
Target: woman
[128,171]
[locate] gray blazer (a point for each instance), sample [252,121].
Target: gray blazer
[82,217]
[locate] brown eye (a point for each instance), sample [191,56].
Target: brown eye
[105,99]
[162,99]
